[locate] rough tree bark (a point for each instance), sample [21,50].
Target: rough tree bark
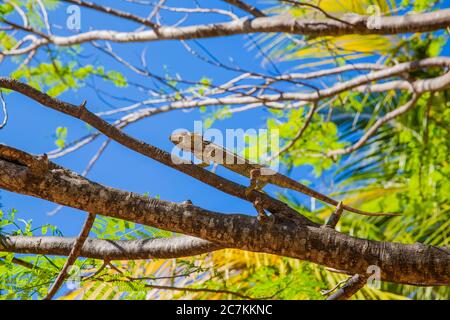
[401,263]
[291,234]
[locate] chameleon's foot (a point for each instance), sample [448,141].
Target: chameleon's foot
[255,177]
[264,218]
[253,183]
[256,183]
[203,165]
[248,191]
[262,215]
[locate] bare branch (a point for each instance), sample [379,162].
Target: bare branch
[401,263]
[387,117]
[353,285]
[246,7]
[276,207]
[114,12]
[299,134]
[318,8]
[157,248]
[420,22]
[5,111]
[73,255]
[187,289]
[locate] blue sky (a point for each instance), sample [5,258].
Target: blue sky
[31,126]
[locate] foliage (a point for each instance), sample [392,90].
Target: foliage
[403,168]
[20,281]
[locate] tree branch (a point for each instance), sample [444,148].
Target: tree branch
[358,83]
[416,264]
[114,12]
[352,286]
[420,22]
[73,255]
[386,118]
[298,135]
[246,7]
[158,248]
[275,206]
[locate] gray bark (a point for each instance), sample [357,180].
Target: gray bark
[401,263]
[163,248]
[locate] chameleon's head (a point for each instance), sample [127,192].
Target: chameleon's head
[186,140]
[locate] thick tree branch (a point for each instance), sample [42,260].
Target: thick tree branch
[159,248]
[401,263]
[276,207]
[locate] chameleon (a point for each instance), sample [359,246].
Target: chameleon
[259,175]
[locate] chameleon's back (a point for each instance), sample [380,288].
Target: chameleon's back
[207,152]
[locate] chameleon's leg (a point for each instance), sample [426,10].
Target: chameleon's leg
[262,215]
[203,165]
[255,182]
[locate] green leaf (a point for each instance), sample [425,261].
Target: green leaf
[5,9]
[61,136]
[436,46]
[117,78]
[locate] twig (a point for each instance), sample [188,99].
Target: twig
[326,14]
[23,263]
[299,134]
[327,292]
[353,285]
[386,118]
[246,7]
[21,13]
[96,273]
[5,111]
[44,16]
[237,294]
[201,11]
[74,253]
[26,28]
[114,12]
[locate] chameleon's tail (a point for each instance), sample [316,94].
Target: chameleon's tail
[374,214]
[289,183]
